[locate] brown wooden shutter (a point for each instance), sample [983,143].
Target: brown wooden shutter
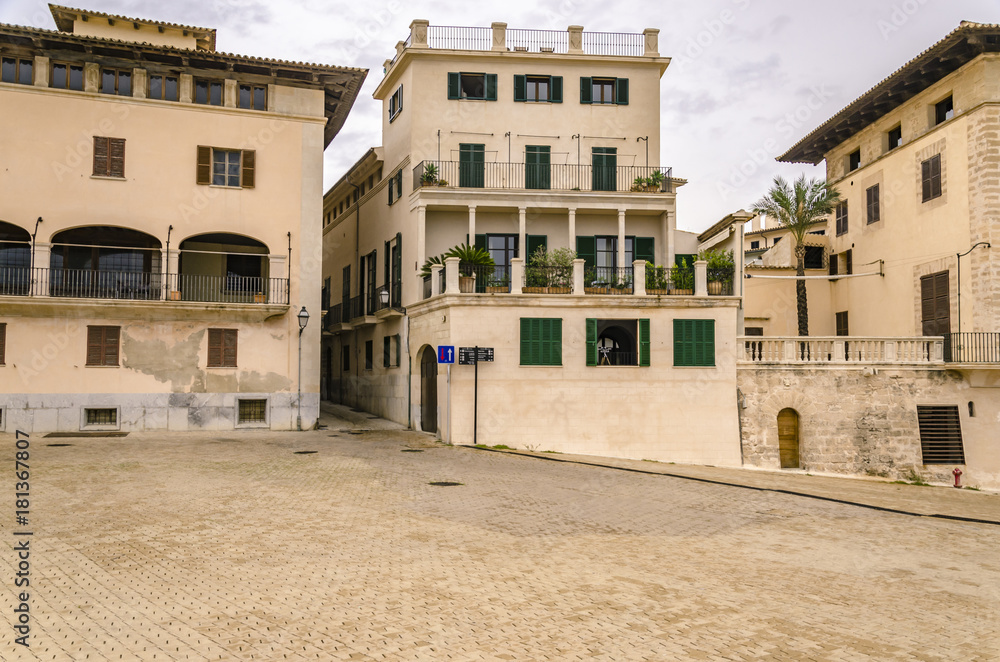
[215,348]
[101,156]
[229,348]
[111,334]
[95,337]
[204,164]
[249,168]
[116,157]
[935,304]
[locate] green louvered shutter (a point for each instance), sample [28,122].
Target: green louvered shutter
[537,167]
[397,272]
[534,242]
[491,87]
[621,91]
[586,90]
[555,87]
[645,249]
[454,85]
[480,240]
[520,87]
[644,342]
[586,250]
[681,343]
[555,341]
[525,341]
[388,265]
[591,341]
[705,347]
[471,165]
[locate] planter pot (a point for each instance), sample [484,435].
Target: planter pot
[175,295]
[595,290]
[497,289]
[559,290]
[682,291]
[260,298]
[467,284]
[656,291]
[533,290]
[621,290]
[715,288]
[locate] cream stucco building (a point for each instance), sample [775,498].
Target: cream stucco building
[513,140]
[160,223]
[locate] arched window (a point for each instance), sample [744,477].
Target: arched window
[106,263]
[223,267]
[15,260]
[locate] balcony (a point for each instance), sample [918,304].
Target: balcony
[841,350]
[141,286]
[554,177]
[976,347]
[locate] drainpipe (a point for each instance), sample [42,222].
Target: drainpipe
[357,264]
[32,262]
[166,267]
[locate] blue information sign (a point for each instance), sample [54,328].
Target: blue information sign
[446,353]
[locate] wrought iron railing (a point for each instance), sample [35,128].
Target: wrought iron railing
[972,347]
[15,281]
[483,279]
[227,289]
[673,280]
[547,280]
[534,41]
[554,177]
[91,284]
[356,308]
[427,287]
[608,280]
[459,38]
[333,317]
[720,281]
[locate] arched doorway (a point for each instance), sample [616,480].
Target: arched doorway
[105,262]
[220,266]
[788,438]
[428,390]
[15,259]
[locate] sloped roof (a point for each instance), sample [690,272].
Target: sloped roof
[958,48]
[65,24]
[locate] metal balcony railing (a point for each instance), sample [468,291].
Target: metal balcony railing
[535,41]
[554,177]
[548,280]
[972,347]
[483,279]
[227,289]
[608,280]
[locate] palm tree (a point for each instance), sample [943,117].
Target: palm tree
[797,207]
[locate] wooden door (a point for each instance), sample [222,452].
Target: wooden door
[788,438]
[428,390]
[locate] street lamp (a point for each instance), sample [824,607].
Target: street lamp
[383,296]
[958,258]
[303,320]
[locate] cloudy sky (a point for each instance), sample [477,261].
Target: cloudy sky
[747,80]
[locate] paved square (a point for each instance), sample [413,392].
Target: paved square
[230,546]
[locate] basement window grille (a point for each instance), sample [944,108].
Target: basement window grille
[252,411]
[940,434]
[101,417]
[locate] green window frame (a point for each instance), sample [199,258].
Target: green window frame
[694,343]
[593,355]
[532,88]
[618,94]
[463,85]
[541,341]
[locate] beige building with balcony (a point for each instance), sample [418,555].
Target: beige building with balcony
[160,218]
[512,141]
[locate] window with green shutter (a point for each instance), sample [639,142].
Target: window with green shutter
[463,85]
[471,165]
[530,88]
[537,167]
[644,342]
[694,343]
[541,341]
[617,342]
[604,90]
[645,249]
[605,169]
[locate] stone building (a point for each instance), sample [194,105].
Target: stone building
[160,217]
[513,141]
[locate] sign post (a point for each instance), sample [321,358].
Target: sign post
[472,356]
[446,355]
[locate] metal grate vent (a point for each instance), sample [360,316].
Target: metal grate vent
[101,416]
[253,411]
[940,434]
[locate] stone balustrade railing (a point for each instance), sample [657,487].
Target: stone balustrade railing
[844,350]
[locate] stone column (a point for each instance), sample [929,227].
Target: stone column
[421,235]
[418,33]
[839,354]
[41,71]
[579,265]
[700,278]
[451,275]
[670,222]
[522,224]
[91,77]
[185,88]
[499,36]
[230,91]
[277,271]
[42,258]
[621,238]
[572,229]
[575,39]
[437,273]
[516,275]
[472,225]
[651,42]
[139,83]
[639,278]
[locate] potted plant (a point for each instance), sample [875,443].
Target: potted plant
[657,279]
[720,268]
[682,276]
[472,259]
[429,175]
[550,272]
[498,283]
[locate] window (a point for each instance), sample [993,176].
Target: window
[842,325]
[754,245]
[3,342]
[604,91]
[396,103]
[472,86]
[101,417]
[234,168]
[251,411]
[775,241]
[394,270]
[369,349]
[390,351]
[834,264]
[930,178]
[541,341]
[163,87]
[116,81]
[395,187]
[849,261]
[67,76]
[537,167]
[102,345]
[814,257]
[208,92]
[252,97]
[944,110]
[538,88]
[694,343]
[854,160]
[940,434]
[222,348]
[17,70]
[615,342]
[345,358]
[471,165]
[753,331]
[841,218]
[871,204]
[109,157]
[895,137]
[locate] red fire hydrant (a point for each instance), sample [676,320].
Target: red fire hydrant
[958,477]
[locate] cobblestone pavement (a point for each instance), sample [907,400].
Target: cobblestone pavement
[230,546]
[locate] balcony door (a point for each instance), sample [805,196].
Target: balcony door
[537,167]
[471,165]
[605,168]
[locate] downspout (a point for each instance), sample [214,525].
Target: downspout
[32,263]
[357,263]
[166,267]
[409,379]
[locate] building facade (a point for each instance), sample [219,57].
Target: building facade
[515,141]
[160,213]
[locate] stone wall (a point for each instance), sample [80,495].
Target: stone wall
[864,421]
[984,217]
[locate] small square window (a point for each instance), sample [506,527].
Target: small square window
[895,137]
[872,204]
[102,345]
[222,348]
[163,87]
[369,351]
[253,97]
[473,86]
[537,88]
[754,245]
[251,412]
[930,178]
[854,160]
[67,76]
[603,90]
[940,434]
[694,342]
[17,70]
[226,167]
[208,92]
[944,110]
[116,81]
